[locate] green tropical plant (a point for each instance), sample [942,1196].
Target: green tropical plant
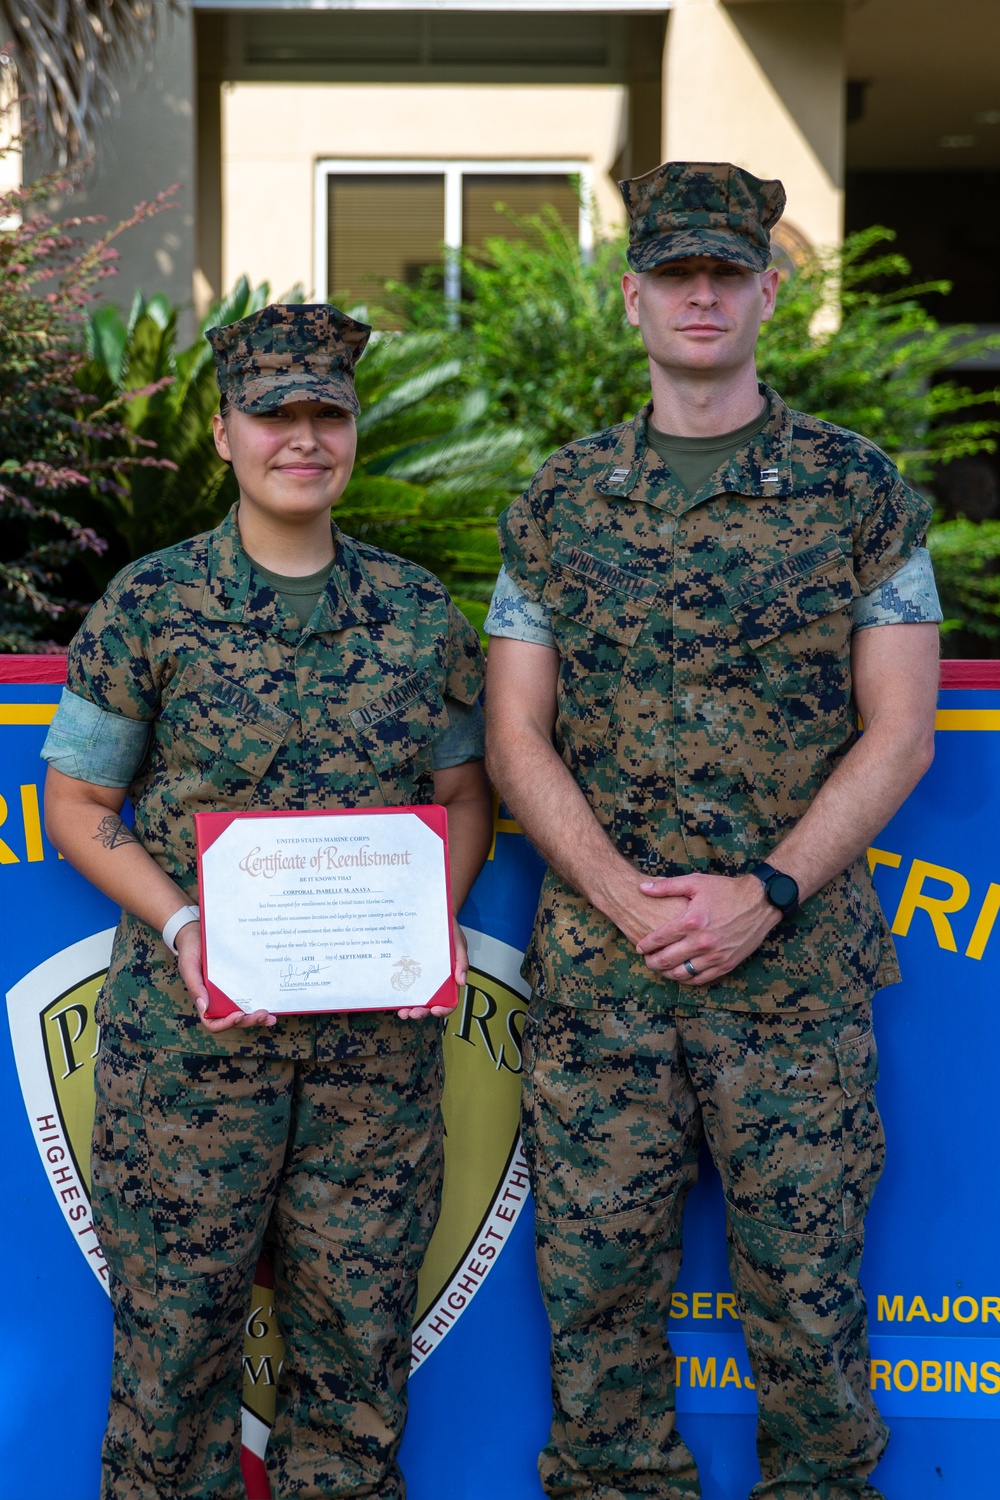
[849,343]
[166,397]
[878,371]
[543,327]
[53,448]
[432,471]
[966,557]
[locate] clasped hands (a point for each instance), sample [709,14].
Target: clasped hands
[709,922]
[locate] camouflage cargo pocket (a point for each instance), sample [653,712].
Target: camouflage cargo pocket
[397,731]
[796,618]
[598,612]
[790,1115]
[863,1136]
[610,1126]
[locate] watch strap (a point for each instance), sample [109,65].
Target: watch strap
[174,924]
[768,876]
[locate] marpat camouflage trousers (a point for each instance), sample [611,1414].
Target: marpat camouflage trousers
[616,1102]
[197,1160]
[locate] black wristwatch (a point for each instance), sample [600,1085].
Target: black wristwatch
[781,890]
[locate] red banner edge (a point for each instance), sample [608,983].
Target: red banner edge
[43,670]
[33,670]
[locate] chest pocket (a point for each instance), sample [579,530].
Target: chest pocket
[598,612]
[215,733]
[796,619]
[397,731]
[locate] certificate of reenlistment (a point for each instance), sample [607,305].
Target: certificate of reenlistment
[325,911]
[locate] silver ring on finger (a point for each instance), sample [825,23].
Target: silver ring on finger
[691,968]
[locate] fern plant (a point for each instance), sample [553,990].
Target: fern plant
[966,557]
[852,341]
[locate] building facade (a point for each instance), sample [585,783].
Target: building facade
[317,141]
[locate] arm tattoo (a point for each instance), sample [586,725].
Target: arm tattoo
[112,832]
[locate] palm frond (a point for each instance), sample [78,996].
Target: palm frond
[405,393]
[67,54]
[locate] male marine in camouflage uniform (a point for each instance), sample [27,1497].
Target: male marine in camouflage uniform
[211,677]
[694,607]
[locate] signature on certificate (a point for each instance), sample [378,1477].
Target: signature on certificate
[291,978]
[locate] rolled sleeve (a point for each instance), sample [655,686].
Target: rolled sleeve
[909,597]
[522,534]
[516,617]
[465,737]
[92,744]
[891,522]
[463,664]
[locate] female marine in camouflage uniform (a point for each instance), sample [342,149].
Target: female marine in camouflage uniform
[271,663]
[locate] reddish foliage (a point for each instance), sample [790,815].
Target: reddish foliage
[52,439]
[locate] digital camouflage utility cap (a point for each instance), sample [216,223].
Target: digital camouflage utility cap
[289,352]
[701,208]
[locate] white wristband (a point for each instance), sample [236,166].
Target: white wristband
[176,922]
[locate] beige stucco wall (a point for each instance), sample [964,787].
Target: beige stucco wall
[10,129]
[146,147]
[762,85]
[273,134]
[758,83]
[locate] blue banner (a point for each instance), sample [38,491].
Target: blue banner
[931,1270]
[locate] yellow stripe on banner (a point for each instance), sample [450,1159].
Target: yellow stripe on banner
[500,825]
[27,713]
[946,718]
[967,718]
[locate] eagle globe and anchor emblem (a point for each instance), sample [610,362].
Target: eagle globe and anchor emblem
[407,971]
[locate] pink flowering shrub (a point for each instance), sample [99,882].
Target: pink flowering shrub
[55,442]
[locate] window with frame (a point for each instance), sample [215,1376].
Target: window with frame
[389,220]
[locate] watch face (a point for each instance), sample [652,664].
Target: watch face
[782,891]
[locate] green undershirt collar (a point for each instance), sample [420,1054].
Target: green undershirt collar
[297,594]
[692,460]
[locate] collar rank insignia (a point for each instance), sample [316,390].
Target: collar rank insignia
[618,475]
[769,476]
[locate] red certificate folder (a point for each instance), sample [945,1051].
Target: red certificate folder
[210,826]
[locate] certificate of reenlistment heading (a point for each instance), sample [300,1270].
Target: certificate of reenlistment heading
[325,911]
